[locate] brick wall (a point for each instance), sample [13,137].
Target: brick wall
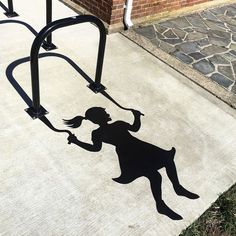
[100,8]
[143,8]
[112,11]
[117,11]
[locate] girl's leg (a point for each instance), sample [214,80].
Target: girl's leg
[179,189]
[155,182]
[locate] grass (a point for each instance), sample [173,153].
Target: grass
[218,220]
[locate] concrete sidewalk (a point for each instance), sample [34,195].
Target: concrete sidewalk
[51,188]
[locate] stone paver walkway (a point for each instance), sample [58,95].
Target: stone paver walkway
[206,41]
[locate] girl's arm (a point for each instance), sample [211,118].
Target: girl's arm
[137,121]
[95,147]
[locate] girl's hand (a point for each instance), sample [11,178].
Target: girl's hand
[72,139]
[137,113]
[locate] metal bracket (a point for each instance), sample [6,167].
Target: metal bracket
[36,114]
[10,10]
[96,88]
[10,14]
[49,46]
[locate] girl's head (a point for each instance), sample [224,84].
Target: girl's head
[97,115]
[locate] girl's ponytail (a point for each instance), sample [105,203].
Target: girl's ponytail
[75,122]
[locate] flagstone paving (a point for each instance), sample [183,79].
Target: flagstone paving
[206,41]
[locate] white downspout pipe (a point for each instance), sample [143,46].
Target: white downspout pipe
[127,14]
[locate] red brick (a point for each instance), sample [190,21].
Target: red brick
[112,11]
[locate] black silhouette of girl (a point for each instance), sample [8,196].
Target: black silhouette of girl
[136,157]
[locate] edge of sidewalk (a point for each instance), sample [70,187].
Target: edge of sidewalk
[211,86]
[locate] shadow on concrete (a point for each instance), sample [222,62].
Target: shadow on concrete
[9,74]
[136,157]
[45,44]
[29,27]
[3,6]
[11,67]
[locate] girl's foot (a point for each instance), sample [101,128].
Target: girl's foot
[162,208]
[181,191]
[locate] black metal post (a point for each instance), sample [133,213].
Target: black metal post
[101,51]
[49,18]
[48,45]
[10,12]
[37,111]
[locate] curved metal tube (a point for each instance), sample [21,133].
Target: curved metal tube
[96,86]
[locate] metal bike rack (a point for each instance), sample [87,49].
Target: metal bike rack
[47,45]
[37,111]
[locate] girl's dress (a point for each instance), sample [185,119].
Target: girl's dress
[136,158]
